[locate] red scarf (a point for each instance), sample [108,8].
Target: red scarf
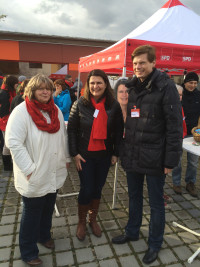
[70,84]
[99,127]
[34,108]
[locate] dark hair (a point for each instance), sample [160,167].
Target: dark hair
[23,85]
[118,83]
[108,93]
[10,82]
[145,49]
[60,82]
[67,76]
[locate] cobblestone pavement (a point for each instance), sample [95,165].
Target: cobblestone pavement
[178,244]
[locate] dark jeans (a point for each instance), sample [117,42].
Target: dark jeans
[92,179]
[155,186]
[35,224]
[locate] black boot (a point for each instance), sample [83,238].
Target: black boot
[7,163]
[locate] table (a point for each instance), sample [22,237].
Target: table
[190,147]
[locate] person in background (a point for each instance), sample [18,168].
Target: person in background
[62,98]
[7,93]
[152,146]
[1,78]
[1,135]
[95,128]
[75,87]
[18,99]
[20,79]
[69,84]
[191,108]
[37,138]
[121,94]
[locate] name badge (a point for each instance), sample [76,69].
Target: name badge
[96,112]
[135,113]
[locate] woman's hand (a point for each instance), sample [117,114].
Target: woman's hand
[57,92]
[114,160]
[166,170]
[29,176]
[78,160]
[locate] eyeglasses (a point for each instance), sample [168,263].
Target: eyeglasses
[44,88]
[122,91]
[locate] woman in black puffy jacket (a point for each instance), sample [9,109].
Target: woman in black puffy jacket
[95,128]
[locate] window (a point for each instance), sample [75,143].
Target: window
[35,65]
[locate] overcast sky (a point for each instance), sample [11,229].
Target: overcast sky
[99,19]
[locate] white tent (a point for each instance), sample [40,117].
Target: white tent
[60,74]
[172,30]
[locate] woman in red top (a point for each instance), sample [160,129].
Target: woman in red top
[7,93]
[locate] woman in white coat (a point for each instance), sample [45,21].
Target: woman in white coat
[37,139]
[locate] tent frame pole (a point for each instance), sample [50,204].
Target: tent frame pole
[79,77]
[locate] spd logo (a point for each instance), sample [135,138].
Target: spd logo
[165,58]
[188,59]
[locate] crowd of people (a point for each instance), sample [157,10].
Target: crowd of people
[141,123]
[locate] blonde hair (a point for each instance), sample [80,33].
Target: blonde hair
[35,83]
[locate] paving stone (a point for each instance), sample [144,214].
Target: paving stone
[122,222]
[64,258]
[192,224]
[170,217]
[194,212]
[8,219]
[5,253]
[47,260]
[62,244]
[80,244]
[9,210]
[188,238]
[6,240]
[173,240]
[182,252]
[5,264]
[93,264]
[122,249]
[196,203]
[139,245]
[59,222]
[108,263]
[110,225]
[166,256]
[60,232]
[84,255]
[103,252]
[6,229]
[17,254]
[129,261]
[105,215]
[19,263]
[175,265]
[73,220]
[175,206]
[98,240]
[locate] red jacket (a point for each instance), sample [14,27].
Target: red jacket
[184,125]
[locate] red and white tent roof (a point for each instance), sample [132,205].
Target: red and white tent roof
[60,74]
[172,30]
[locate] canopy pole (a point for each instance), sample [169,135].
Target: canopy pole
[124,72]
[79,77]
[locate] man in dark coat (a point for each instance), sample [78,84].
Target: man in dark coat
[152,146]
[191,108]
